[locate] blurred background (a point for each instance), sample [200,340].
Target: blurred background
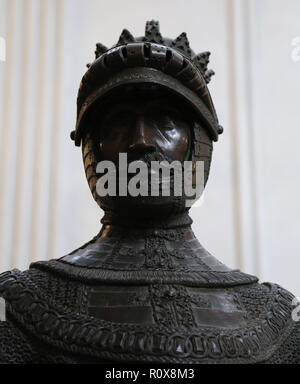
[250,216]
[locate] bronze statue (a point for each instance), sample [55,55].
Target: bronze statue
[144,289]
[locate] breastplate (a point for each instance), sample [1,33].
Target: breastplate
[156,295]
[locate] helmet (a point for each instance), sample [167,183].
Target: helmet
[149,59]
[153,60]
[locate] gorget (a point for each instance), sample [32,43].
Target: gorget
[145,294]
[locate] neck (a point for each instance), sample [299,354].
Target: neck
[179,220]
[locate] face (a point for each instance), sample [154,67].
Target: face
[143,125]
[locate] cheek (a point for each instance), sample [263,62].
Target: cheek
[110,149]
[177,144]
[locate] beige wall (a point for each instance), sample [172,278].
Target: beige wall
[250,215]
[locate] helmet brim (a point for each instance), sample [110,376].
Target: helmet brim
[150,76]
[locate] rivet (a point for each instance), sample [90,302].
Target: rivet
[220,129]
[72,135]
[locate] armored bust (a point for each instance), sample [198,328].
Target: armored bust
[144,289]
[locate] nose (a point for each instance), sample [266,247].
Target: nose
[142,140]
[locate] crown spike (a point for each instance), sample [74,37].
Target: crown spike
[202,60]
[208,75]
[125,38]
[100,49]
[182,43]
[152,32]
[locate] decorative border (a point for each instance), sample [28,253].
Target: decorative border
[80,334]
[96,275]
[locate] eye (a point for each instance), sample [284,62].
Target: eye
[166,119]
[117,124]
[167,122]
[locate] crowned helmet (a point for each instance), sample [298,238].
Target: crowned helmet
[155,61]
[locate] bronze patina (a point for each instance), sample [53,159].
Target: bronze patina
[144,289]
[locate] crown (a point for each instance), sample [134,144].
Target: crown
[153,35]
